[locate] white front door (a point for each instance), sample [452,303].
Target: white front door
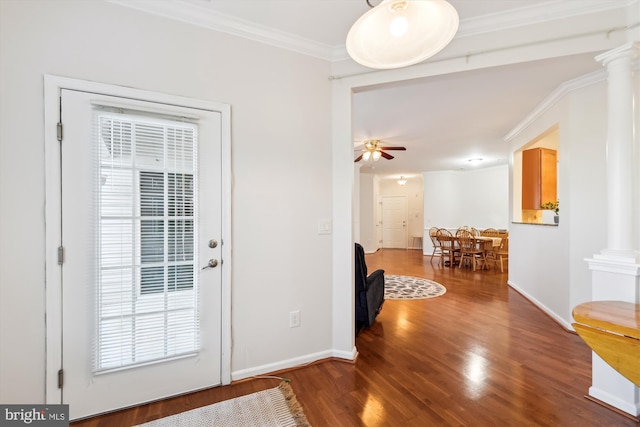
[394,222]
[141,207]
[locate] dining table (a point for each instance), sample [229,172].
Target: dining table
[495,241]
[488,242]
[485,243]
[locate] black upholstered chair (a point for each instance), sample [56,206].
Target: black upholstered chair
[369,291]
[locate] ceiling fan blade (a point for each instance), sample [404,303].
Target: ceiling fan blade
[386,156]
[358,158]
[392,148]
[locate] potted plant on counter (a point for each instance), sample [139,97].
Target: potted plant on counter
[552,206]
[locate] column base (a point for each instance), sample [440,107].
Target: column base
[612,408]
[615,277]
[610,387]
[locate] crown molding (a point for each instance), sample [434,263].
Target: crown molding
[551,100]
[561,91]
[201,15]
[536,14]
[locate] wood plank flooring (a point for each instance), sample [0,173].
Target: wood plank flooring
[480,355]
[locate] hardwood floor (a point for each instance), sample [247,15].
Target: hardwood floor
[480,355]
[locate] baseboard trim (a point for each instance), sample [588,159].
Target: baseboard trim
[550,313]
[296,362]
[612,408]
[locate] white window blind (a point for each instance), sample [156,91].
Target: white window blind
[147,290]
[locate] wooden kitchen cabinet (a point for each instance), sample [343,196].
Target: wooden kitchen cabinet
[539,177]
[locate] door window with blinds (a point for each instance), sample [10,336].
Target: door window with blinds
[147,290]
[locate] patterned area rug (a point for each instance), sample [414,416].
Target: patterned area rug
[408,287]
[276,407]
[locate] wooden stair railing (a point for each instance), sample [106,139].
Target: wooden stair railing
[612,330]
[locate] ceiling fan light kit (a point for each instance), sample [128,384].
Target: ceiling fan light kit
[399,33]
[372,150]
[374,155]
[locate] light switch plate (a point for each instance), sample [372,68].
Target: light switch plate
[324,227]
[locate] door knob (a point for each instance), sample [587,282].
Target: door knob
[213,263]
[213,243]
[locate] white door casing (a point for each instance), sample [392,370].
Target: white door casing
[394,222]
[70,292]
[378,225]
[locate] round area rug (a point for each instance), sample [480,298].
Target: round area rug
[408,287]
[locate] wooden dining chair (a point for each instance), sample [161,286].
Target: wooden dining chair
[469,249]
[437,250]
[448,246]
[490,232]
[490,250]
[501,254]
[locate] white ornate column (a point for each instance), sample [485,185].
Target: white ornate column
[616,270]
[620,158]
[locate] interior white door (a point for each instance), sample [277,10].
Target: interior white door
[394,222]
[141,316]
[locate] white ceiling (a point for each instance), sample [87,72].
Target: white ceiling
[446,120]
[443,121]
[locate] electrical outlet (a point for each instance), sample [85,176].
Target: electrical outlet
[294,319]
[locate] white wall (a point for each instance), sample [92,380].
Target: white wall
[585,188]
[562,279]
[367,212]
[442,204]
[278,194]
[477,198]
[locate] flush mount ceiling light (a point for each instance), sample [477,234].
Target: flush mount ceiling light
[399,33]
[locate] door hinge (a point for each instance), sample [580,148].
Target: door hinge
[60,255]
[59,127]
[60,378]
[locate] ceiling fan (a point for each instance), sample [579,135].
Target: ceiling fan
[373,150]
